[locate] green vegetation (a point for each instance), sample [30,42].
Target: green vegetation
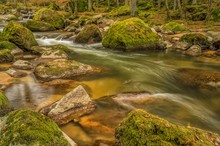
[5,105]
[7,45]
[174,27]
[25,127]
[142,128]
[39,26]
[49,16]
[195,39]
[130,34]
[6,56]
[19,35]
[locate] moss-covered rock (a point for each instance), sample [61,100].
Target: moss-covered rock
[130,34]
[39,26]
[5,105]
[141,128]
[121,11]
[89,34]
[173,27]
[7,45]
[25,127]
[50,16]
[19,35]
[196,39]
[6,56]
[63,69]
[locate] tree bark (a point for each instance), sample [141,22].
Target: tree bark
[117,3]
[174,4]
[75,7]
[90,5]
[209,11]
[133,7]
[159,4]
[167,9]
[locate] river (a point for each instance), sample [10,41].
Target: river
[149,72]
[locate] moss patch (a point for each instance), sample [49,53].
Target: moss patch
[6,56]
[39,26]
[121,11]
[142,128]
[19,35]
[25,127]
[50,16]
[5,105]
[130,34]
[89,34]
[174,27]
[195,39]
[7,45]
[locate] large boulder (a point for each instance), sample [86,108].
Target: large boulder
[25,127]
[89,34]
[50,16]
[130,35]
[39,26]
[142,128]
[19,35]
[63,69]
[5,105]
[194,50]
[72,106]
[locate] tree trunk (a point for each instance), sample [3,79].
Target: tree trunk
[90,5]
[117,3]
[159,4]
[133,7]
[209,11]
[15,3]
[179,4]
[75,7]
[167,9]
[108,4]
[174,4]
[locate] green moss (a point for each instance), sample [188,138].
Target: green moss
[25,127]
[130,34]
[215,14]
[54,6]
[195,39]
[39,26]
[50,16]
[5,105]
[6,56]
[89,34]
[121,11]
[141,128]
[19,35]
[174,27]
[7,45]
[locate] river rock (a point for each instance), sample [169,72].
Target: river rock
[194,50]
[16,73]
[72,106]
[6,56]
[39,26]
[19,35]
[173,27]
[89,34]
[17,53]
[131,35]
[142,128]
[23,64]
[63,69]
[26,127]
[198,78]
[54,54]
[5,105]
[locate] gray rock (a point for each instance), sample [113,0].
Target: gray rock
[22,64]
[57,54]
[73,105]
[15,73]
[17,53]
[194,50]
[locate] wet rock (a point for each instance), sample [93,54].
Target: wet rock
[8,17]
[131,35]
[63,69]
[26,127]
[89,34]
[16,73]
[39,26]
[194,50]
[54,54]
[209,53]
[198,78]
[71,107]
[6,56]
[5,81]
[22,64]
[19,35]
[17,53]
[142,128]
[5,105]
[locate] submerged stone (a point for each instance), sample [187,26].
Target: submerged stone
[19,35]
[142,128]
[26,127]
[130,35]
[72,106]
[5,105]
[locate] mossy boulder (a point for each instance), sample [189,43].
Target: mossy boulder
[141,128]
[63,69]
[39,26]
[7,45]
[26,127]
[196,39]
[120,11]
[50,16]
[5,105]
[19,35]
[6,56]
[89,34]
[173,27]
[130,35]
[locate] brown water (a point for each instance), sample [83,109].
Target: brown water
[127,72]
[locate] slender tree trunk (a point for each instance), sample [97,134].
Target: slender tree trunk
[117,3]
[167,9]
[209,11]
[159,4]
[179,4]
[174,4]
[133,7]
[108,4]
[90,5]
[15,3]
[75,7]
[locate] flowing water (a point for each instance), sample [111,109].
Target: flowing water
[151,73]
